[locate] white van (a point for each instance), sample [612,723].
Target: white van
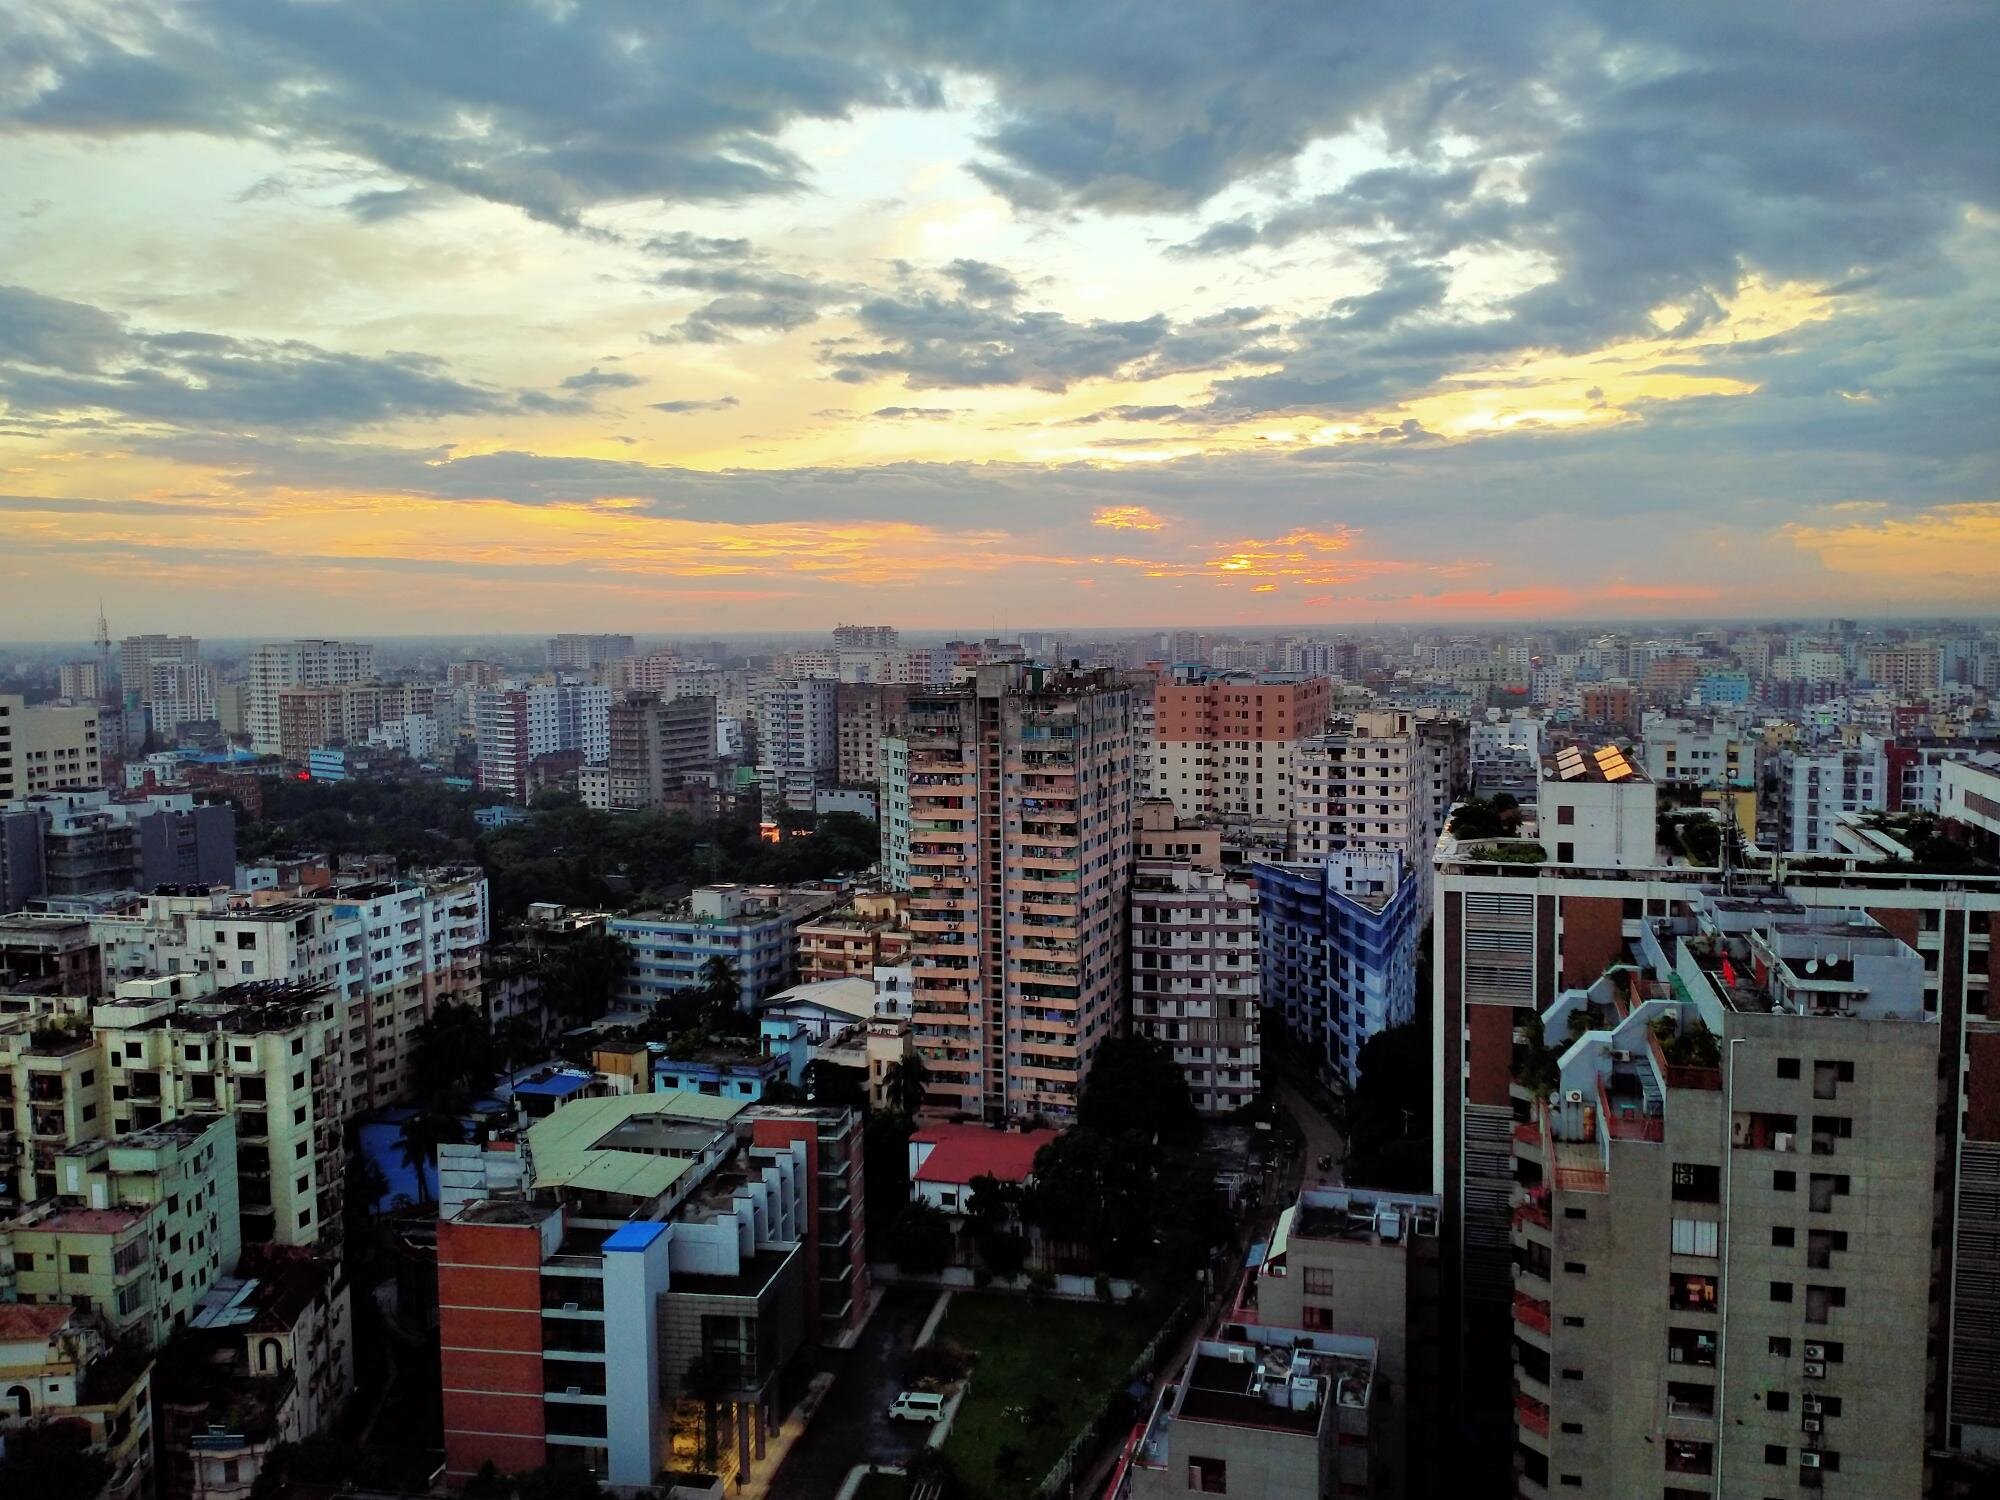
[917,1406]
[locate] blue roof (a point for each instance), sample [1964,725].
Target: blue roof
[636,1235]
[1256,1256]
[559,1087]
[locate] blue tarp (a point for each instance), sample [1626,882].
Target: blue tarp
[559,1087]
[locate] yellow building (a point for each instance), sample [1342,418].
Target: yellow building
[46,749]
[57,1365]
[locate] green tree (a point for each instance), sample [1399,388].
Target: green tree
[1134,1084]
[1388,1121]
[580,977]
[51,1459]
[453,1054]
[709,1382]
[418,1141]
[720,994]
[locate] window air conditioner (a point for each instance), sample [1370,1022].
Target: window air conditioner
[1574,1096]
[1810,1424]
[1812,1406]
[569,1307]
[1808,1459]
[1815,1351]
[1815,1369]
[575,1390]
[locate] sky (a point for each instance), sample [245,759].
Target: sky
[357,316]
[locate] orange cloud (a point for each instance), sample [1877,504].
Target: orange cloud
[1126,518]
[1930,553]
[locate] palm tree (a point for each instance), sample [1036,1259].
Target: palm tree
[905,1081]
[721,990]
[418,1142]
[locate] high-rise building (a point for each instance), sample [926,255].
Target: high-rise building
[1910,671]
[81,681]
[1611,705]
[1726,1165]
[798,741]
[515,725]
[864,637]
[584,653]
[1224,745]
[656,747]
[80,843]
[177,693]
[1816,786]
[1194,961]
[138,653]
[1338,943]
[1008,817]
[46,749]
[863,713]
[1513,936]
[278,665]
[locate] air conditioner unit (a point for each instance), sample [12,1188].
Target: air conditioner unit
[1574,1096]
[1810,1424]
[1782,1141]
[1808,1459]
[575,1390]
[1812,1406]
[1815,1351]
[1620,1054]
[569,1307]
[1815,1369]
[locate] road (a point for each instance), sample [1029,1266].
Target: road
[1320,1136]
[849,1428]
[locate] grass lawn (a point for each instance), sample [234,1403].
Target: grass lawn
[1074,1353]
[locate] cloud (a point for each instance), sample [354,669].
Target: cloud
[686,405]
[1126,518]
[917,413]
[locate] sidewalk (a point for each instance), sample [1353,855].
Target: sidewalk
[780,1442]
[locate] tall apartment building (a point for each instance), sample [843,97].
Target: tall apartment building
[81,681]
[1194,986]
[1224,746]
[515,725]
[1511,939]
[346,713]
[1380,779]
[863,713]
[798,741]
[1612,705]
[584,1267]
[1337,952]
[264,1053]
[278,665]
[584,653]
[864,637]
[177,693]
[1910,671]
[1015,801]
[1724,1243]
[656,747]
[137,655]
[46,749]
[1816,786]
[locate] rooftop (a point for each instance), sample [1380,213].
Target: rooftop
[27,1322]
[960,1153]
[1607,763]
[571,1148]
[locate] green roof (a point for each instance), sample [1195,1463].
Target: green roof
[565,1150]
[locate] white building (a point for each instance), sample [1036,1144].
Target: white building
[1816,785]
[798,740]
[277,665]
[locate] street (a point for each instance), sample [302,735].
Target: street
[1321,1139]
[849,1428]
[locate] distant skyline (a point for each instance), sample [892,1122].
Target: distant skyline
[377,320]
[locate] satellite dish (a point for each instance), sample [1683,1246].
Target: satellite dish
[1830,958]
[1812,966]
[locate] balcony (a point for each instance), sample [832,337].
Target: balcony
[1531,1313]
[1530,1414]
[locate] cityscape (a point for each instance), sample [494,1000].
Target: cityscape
[833,750]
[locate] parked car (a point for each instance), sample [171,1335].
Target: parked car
[917,1406]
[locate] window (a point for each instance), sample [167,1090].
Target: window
[1777,1401]
[1565,854]
[1822,1300]
[1691,1346]
[1781,1291]
[1576,1213]
[1686,1399]
[1782,1236]
[1691,1293]
[1694,1237]
[1566,815]
[1575,1268]
[1572,1373]
[1781,1348]
[1571,1320]
[79,1265]
[1318,1319]
[1697,1183]
[1788,1067]
[1210,1476]
[1572,1428]
[1784,1182]
[1824,1188]
[1319,1281]
[1774,1453]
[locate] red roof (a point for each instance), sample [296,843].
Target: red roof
[21,1322]
[87,1221]
[960,1153]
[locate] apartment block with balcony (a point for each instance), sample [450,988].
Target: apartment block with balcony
[1224,745]
[753,928]
[59,1365]
[46,749]
[1722,1224]
[1018,794]
[647,1233]
[265,1053]
[1194,983]
[278,665]
[852,941]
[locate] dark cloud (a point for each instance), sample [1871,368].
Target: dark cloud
[1129,414]
[68,505]
[686,405]
[916,413]
[595,379]
[61,357]
[980,281]
[684,246]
